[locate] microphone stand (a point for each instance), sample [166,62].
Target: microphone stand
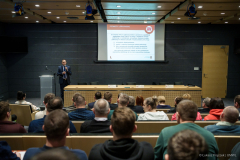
[54,78]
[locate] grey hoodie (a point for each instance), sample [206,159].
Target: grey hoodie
[153,116]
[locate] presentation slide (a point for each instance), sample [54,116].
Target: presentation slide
[130,42]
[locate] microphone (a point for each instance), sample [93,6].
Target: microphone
[46,68]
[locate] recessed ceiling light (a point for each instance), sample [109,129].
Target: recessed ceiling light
[57,17]
[145,22]
[37,21]
[13,12]
[78,6]
[118,21]
[26,17]
[153,13]
[199,6]
[37,5]
[49,12]
[226,22]
[118,6]
[159,6]
[148,18]
[118,12]
[64,21]
[222,13]
[172,22]
[178,18]
[91,21]
[199,22]
[83,12]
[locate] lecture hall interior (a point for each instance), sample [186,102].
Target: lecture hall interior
[140,48]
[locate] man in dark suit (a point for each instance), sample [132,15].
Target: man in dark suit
[64,73]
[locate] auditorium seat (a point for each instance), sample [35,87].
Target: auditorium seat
[23,113]
[94,83]
[131,83]
[178,83]
[82,83]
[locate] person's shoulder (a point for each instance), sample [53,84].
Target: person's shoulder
[80,153]
[31,152]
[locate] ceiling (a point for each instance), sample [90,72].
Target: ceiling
[119,11]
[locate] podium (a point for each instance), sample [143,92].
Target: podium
[46,86]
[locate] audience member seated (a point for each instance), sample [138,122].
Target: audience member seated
[6,152]
[56,128]
[216,108]
[186,115]
[176,101]
[36,125]
[228,119]
[98,95]
[236,152]
[108,97]
[122,146]
[139,101]
[161,103]
[100,124]
[187,96]
[123,100]
[56,154]
[137,109]
[47,98]
[149,107]
[187,145]
[72,107]
[237,103]
[205,105]
[81,113]
[21,100]
[7,126]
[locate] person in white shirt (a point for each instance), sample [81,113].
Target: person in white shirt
[21,100]
[149,107]
[47,98]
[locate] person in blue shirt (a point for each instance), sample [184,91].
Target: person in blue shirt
[36,125]
[81,113]
[228,119]
[56,128]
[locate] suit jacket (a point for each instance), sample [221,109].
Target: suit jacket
[59,73]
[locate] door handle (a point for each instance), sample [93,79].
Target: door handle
[204,75]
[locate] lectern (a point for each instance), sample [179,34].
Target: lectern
[46,85]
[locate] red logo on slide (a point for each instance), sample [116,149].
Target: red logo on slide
[149,30]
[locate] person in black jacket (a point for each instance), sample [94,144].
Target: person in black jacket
[205,106]
[137,109]
[100,124]
[122,146]
[176,101]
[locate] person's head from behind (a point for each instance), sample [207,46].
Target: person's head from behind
[55,103]
[230,114]
[80,101]
[64,62]
[186,111]
[187,96]
[149,104]
[216,103]
[75,96]
[56,154]
[108,96]
[47,98]
[186,145]
[139,101]
[56,125]
[21,95]
[98,95]
[123,123]
[5,111]
[177,100]
[237,101]
[206,102]
[123,100]
[101,108]
[161,100]
[131,101]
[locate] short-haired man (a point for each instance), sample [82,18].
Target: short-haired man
[186,115]
[47,98]
[108,97]
[176,101]
[131,105]
[81,113]
[122,101]
[7,126]
[98,95]
[72,107]
[228,118]
[205,105]
[100,124]
[122,146]
[56,128]
[187,145]
[237,103]
[36,125]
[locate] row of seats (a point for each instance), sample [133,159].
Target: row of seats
[130,83]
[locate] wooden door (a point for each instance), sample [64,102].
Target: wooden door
[214,71]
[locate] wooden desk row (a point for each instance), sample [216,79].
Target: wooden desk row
[225,143]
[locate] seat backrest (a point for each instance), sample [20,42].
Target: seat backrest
[23,113]
[178,83]
[131,83]
[94,83]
